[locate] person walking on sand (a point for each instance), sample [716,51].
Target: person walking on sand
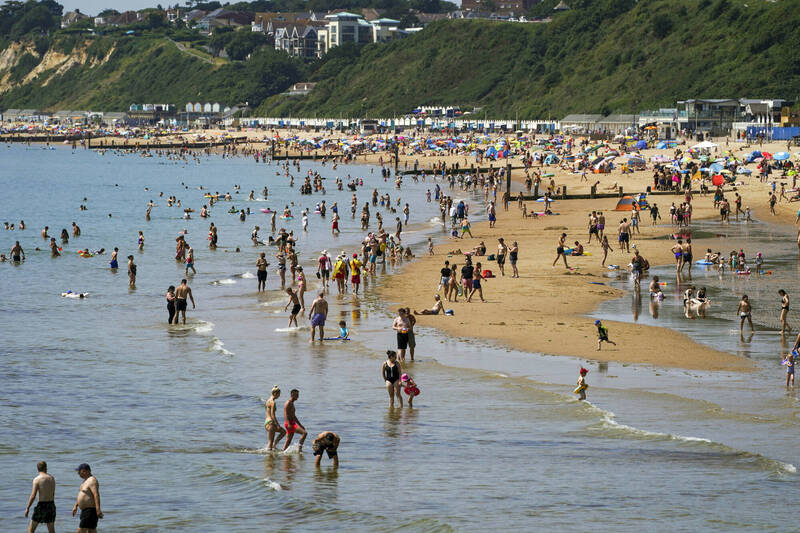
[181,293]
[271,424]
[477,278]
[327,442]
[391,371]
[606,248]
[317,315]
[784,312]
[502,250]
[745,311]
[291,422]
[624,235]
[513,254]
[560,251]
[88,500]
[44,485]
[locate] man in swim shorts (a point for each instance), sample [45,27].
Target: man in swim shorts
[402,326]
[291,423]
[17,253]
[181,293]
[317,314]
[326,442]
[88,500]
[45,511]
[271,424]
[745,312]
[624,235]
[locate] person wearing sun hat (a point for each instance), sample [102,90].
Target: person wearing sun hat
[582,385]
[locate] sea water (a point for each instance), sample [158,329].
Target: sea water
[171,417]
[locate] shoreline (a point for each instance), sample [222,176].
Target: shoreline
[546,310]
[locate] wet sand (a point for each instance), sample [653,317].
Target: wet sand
[544,310]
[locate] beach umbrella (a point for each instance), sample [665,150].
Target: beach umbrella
[766,155]
[781,156]
[717,180]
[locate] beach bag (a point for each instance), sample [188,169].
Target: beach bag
[487,274]
[491,258]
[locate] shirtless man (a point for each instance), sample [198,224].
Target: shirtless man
[131,272]
[271,424]
[44,233]
[745,312]
[181,293]
[317,314]
[261,266]
[677,249]
[291,423]
[88,500]
[45,511]
[17,253]
[327,441]
[624,235]
[294,301]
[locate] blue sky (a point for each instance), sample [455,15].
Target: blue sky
[92,7]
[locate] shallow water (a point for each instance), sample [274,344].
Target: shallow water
[171,418]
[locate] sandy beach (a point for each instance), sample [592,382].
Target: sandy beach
[544,310]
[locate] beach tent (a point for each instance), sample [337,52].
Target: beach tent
[641,145]
[705,145]
[626,203]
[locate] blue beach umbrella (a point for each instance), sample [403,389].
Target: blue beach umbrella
[781,156]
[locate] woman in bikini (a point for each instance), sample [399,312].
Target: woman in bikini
[784,311]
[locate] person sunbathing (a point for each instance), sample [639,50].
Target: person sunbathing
[435,310]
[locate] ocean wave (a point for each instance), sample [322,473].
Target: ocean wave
[218,346]
[247,275]
[226,281]
[609,427]
[203,326]
[291,330]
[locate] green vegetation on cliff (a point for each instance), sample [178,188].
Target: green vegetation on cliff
[601,56]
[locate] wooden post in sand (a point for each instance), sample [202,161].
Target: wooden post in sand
[508,180]
[396,158]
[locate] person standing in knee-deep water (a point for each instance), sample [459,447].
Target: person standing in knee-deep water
[88,500]
[171,303]
[181,294]
[45,511]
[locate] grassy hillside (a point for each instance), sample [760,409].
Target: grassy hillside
[602,56]
[110,73]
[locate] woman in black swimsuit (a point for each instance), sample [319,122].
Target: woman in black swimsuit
[513,252]
[391,375]
[784,311]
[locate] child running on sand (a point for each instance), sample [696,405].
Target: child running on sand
[602,335]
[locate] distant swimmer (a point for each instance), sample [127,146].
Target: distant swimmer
[181,294]
[44,485]
[291,422]
[326,442]
[271,423]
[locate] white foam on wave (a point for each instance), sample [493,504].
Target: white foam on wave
[218,345]
[247,275]
[293,449]
[435,220]
[609,423]
[203,326]
[274,485]
[291,330]
[226,281]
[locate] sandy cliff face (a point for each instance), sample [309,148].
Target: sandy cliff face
[54,63]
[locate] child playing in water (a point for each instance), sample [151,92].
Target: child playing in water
[789,362]
[580,390]
[343,333]
[602,335]
[410,388]
[759,262]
